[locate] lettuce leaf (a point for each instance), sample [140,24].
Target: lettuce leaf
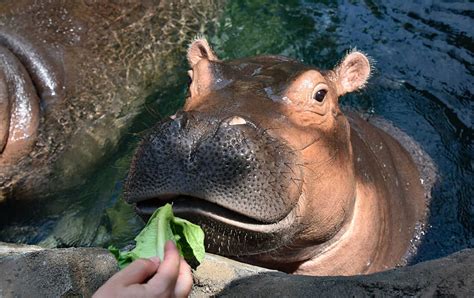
[161,227]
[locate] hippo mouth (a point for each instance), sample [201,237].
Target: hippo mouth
[193,205]
[228,232]
[184,205]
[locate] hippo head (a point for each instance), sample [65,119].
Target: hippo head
[259,156]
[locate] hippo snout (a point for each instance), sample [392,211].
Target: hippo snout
[223,164]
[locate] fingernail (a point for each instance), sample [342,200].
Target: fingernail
[155,260]
[170,245]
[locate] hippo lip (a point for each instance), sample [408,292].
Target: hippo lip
[46,75]
[29,79]
[189,207]
[19,108]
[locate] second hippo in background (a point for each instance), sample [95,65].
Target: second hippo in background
[73,74]
[265,160]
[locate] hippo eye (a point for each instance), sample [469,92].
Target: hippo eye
[320,95]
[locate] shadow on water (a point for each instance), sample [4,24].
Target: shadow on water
[422,83]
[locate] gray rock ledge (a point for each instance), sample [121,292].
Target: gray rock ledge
[31,271]
[452,276]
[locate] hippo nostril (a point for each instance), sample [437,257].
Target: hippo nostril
[236,120]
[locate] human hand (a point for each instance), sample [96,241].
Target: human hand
[151,278]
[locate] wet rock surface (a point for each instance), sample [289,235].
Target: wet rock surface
[216,273]
[31,271]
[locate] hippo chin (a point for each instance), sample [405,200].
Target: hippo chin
[262,157]
[73,74]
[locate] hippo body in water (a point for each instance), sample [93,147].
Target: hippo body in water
[262,157]
[73,74]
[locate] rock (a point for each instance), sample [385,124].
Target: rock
[449,276]
[7,249]
[216,272]
[31,271]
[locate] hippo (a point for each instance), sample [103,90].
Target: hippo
[262,157]
[73,75]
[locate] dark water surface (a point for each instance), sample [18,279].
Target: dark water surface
[423,83]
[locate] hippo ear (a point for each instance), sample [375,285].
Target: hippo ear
[200,49]
[352,73]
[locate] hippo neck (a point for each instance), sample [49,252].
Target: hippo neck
[386,211]
[353,250]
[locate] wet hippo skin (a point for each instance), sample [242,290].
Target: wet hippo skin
[73,74]
[262,157]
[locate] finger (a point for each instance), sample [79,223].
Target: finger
[137,272]
[185,280]
[164,280]
[135,290]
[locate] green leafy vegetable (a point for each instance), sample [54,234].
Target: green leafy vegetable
[161,227]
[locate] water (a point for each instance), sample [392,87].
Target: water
[422,82]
